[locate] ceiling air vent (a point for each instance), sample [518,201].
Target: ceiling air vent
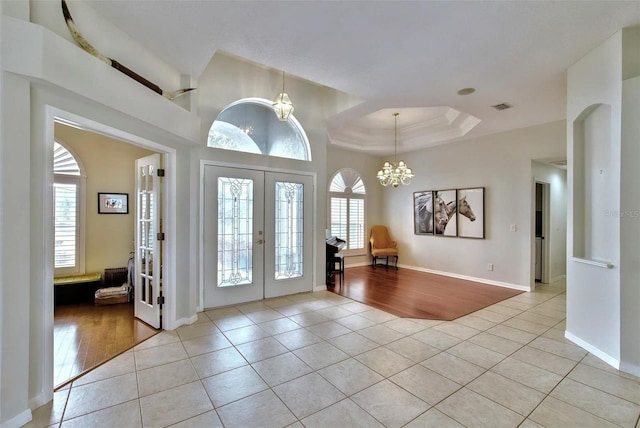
[501,106]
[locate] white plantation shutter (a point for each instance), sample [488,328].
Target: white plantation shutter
[66,209]
[347,208]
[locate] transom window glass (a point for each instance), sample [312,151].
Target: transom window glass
[67,209]
[347,207]
[251,126]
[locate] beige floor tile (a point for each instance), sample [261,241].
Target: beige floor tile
[551,362]
[433,418]
[50,413]
[504,310]
[384,361]
[209,419]
[511,333]
[308,318]
[261,349]
[122,415]
[246,334]
[380,334]
[456,330]
[122,364]
[476,354]
[232,323]
[334,312]
[378,316]
[355,322]
[390,404]
[196,330]
[528,423]
[295,394]
[436,338]
[356,307]
[281,369]
[217,362]
[227,387]
[100,395]
[611,383]
[251,307]
[293,309]
[344,413]
[263,409]
[496,343]
[350,376]
[405,326]
[329,329]
[538,319]
[320,355]
[413,349]
[565,350]
[516,305]
[162,338]
[491,316]
[524,325]
[264,315]
[167,376]
[174,405]
[510,394]
[474,410]
[475,322]
[278,302]
[593,361]
[454,368]
[556,413]
[353,343]
[217,314]
[531,376]
[425,384]
[159,355]
[204,344]
[606,406]
[296,339]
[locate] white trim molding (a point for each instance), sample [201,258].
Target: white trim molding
[592,349]
[469,278]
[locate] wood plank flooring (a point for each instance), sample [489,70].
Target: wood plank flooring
[85,336]
[414,294]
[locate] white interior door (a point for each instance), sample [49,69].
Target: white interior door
[148,257]
[233,235]
[288,234]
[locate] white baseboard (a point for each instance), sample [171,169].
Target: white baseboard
[469,278]
[319,288]
[592,349]
[347,265]
[18,421]
[39,400]
[185,321]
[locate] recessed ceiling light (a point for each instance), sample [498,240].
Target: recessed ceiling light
[501,106]
[466,91]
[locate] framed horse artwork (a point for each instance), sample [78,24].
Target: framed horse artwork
[471,213]
[445,206]
[423,213]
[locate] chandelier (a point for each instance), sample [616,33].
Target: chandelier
[395,173]
[282,104]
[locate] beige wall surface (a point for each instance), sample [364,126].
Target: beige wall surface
[109,167]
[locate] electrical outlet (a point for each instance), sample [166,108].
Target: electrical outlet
[490,266]
[514,227]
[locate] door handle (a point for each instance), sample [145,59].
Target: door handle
[259,241]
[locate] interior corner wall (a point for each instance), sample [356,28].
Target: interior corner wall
[109,166]
[368,166]
[500,163]
[557,238]
[593,292]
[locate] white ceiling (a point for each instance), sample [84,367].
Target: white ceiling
[393,54]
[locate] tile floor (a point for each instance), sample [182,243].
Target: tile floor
[321,360]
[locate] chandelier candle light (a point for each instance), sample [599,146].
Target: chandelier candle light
[282,104]
[395,173]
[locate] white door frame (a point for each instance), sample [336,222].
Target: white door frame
[168,208]
[546,219]
[203,163]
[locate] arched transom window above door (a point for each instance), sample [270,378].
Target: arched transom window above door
[251,126]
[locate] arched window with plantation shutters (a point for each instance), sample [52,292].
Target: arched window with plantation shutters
[347,207]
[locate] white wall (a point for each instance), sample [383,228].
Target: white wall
[479,162]
[593,292]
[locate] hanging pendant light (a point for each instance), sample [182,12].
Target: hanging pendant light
[395,173]
[282,104]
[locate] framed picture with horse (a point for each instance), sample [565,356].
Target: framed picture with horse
[445,205]
[423,213]
[471,213]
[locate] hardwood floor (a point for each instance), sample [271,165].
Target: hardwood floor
[414,294]
[85,336]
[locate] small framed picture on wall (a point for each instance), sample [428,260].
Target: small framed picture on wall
[423,213]
[113,203]
[471,213]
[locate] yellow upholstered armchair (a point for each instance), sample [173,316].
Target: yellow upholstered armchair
[382,245]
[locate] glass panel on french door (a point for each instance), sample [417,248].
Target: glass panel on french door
[235,231]
[289,223]
[146,238]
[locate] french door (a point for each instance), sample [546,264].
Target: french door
[257,235]
[148,242]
